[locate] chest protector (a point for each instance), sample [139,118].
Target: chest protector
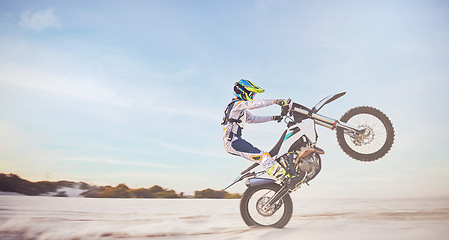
[232,128]
[227,112]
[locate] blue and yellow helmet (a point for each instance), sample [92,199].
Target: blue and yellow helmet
[246,90]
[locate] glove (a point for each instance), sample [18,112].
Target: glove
[281,102]
[276,118]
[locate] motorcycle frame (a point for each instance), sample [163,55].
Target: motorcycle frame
[306,128]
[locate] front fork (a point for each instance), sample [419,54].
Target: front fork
[284,189]
[328,122]
[277,196]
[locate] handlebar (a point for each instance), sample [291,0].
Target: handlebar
[285,109]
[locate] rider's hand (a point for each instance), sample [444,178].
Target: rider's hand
[281,102]
[276,118]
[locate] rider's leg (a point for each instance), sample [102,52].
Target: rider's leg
[277,171]
[245,149]
[272,167]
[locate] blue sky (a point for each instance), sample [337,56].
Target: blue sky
[113,92]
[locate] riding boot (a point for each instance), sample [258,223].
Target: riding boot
[296,180]
[278,172]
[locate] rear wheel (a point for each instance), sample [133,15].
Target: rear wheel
[256,214]
[374,142]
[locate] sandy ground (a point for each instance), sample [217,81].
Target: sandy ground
[23,217]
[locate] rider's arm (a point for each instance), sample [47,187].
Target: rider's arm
[247,105]
[257,119]
[254,104]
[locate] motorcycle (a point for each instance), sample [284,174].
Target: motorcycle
[364,133]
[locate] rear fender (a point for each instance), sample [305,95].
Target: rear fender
[254,182]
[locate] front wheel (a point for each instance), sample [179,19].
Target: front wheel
[256,214]
[374,142]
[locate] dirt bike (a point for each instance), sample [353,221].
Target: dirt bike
[363,133]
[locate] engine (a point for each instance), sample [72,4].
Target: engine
[305,160]
[308,160]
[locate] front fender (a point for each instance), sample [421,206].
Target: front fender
[254,182]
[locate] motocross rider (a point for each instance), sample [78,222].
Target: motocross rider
[235,116]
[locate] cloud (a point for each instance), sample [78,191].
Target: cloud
[82,88]
[15,139]
[106,160]
[39,20]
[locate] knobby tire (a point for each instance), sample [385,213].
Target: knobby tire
[244,211]
[386,124]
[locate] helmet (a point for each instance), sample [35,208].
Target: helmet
[246,90]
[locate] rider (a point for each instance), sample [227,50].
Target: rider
[235,116]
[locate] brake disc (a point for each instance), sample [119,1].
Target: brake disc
[267,211]
[366,138]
